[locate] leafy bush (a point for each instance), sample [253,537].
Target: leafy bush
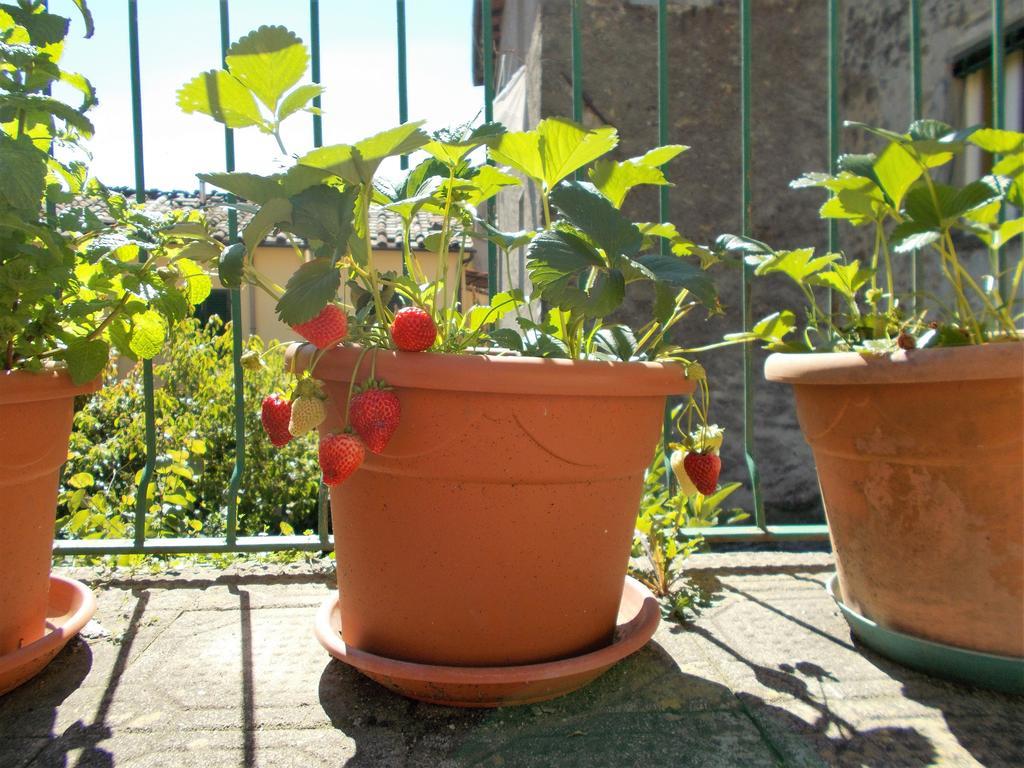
[195,449]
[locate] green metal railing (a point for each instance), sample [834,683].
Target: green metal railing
[761,530]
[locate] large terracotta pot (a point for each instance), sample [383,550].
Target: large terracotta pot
[495,529]
[36,410]
[920,456]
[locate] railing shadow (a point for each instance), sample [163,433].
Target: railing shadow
[645,712]
[32,709]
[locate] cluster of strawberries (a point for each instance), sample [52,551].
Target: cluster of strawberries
[373,408]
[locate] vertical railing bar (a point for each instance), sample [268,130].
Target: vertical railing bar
[142,495]
[833,112]
[745,224]
[487,45]
[999,123]
[322,497]
[915,114]
[314,55]
[662,34]
[236,314]
[577,65]
[403,85]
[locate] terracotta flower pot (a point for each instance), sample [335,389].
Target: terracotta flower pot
[35,423]
[495,529]
[920,456]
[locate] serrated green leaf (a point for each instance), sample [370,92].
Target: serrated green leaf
[271,215]
[679,273]
[149,329]
[197,284]
[22,173]
[487,182]
[615,179]
[43,28]
[847,279]
[310,288]
[912,235]
[298,99]
[588,210]
[358,163]
[85,359]
[896,170]
[928,130]
[997,141]
[247,186]
[451,153]
[554,150]
[324,213]
[217,94]
[797,264]
[268,61]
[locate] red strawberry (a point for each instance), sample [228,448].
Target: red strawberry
[703,469]
[275,413]
[326,329]
[374,414]
[340,456]
[413,329]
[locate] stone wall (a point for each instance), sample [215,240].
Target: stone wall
[788,138]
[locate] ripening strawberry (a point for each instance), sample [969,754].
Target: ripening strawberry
[413,329]
[326,329]
[703,469]
[275,414]
[341,454]
[686,485]
[308,413]
[374,414]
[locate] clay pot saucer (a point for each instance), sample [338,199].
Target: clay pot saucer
[69,607]
[638,618]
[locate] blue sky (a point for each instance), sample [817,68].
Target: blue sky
[181,38]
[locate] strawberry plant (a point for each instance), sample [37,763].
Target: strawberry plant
[74,287]
[900,197]
[580,261]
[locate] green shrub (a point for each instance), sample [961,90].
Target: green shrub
[195,449]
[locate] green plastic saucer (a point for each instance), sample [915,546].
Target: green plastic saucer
[1001,673]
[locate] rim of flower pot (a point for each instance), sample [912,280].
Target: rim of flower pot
[916,366]
[502,374]
[51,383]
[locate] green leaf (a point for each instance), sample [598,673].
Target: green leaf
[845,278]
[298,99]
[36,104]
[324,213]
[197,283]
[555,149]
[149,329]
[948,203]
[928,130]
[559,262]
[310,288]
[998,142]
[912,235]
[247,186]
[487,182]
[617,341]
[677,272]
[231,265]
[859,165]
[86,359]
[895,171]
[81,480]
[616,179]
[797,264]
[22,174]
[588,210]
[268,61]
[507,241]
[451,153]
[775,326]
[217,94]
[274,213]
[43,28]
[358,163]
[1007,231]
[657,157]
[83,9]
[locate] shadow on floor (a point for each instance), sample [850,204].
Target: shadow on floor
[643,712]
[61,677]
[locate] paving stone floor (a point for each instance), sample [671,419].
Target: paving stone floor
[204,667]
